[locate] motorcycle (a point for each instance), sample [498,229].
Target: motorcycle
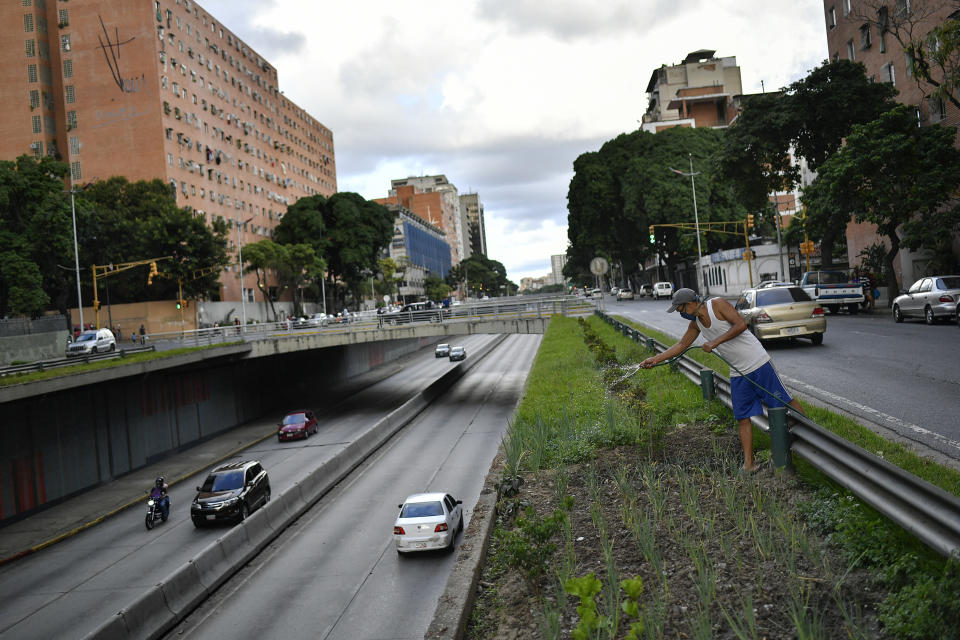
[154,511]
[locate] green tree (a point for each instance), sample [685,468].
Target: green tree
[481,276]
[261,258]
[35,237]
[435,288]
[898,176]
[812,117]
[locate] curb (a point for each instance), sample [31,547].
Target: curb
[124,507]
[161,607]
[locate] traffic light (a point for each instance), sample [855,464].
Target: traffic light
[179,304]
[153,272]
[96,305]
[651,235]
[750,220]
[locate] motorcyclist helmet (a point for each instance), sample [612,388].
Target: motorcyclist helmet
[160,482]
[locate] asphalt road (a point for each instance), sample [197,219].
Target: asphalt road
[904,377]
[68,589]
[335,573]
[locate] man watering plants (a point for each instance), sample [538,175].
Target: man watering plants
[752,378]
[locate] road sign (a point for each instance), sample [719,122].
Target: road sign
[386,297]
[599,266]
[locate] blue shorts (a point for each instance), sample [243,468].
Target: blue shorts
[747,398]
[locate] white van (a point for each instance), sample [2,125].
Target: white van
[92,341]
[662,290]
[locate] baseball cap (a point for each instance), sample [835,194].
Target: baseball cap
[682,296]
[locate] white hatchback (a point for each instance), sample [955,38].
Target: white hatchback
[428,521]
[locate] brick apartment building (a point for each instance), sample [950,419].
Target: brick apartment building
[160,89]
[865,31]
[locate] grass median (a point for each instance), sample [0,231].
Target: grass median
[622,514]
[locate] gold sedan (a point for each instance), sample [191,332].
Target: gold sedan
[782,312]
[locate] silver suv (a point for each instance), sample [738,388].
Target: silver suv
[93,341]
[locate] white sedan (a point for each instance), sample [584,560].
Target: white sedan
[428,521]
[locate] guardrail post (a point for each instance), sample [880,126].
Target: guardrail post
[780,438]
[650,344]
[706,384]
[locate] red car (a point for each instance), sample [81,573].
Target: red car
[297,425]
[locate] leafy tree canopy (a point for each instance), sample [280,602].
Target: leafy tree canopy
[482,276]
[898,176]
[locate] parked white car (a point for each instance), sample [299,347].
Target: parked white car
[427,521]
[93,341]
[662,290]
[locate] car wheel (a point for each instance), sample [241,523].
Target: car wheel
[833,308]
[817,338]
[196,524]
[450,545]
[93,350]
[928,316]
[266,496]
[113,347]
[897,315]
[853,309]
[244,512]
[460,526]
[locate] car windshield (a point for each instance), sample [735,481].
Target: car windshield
[86,337]
[294,418]
[443,346]
[950,283]
[457,350]
[786,295]
[224,481]
[421,510]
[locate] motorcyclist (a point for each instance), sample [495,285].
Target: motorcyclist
[159,492]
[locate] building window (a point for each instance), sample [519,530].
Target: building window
[35,124]
[37,149]
[31,48]
[31,73]
[938,109]
[64,18]
[903,7]
[170,159]
[865,40]
[889,74]
[831,18]
[26,3]
[74,145]
[68,68]
[75,172]
[34,99]
[851,50]
[71,120]
[65,42]
[846,7]
[70,93]
[28,23]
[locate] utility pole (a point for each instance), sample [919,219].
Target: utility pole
[696,220]
[76,253]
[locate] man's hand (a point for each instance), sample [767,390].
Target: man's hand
[708,346]
[648,363]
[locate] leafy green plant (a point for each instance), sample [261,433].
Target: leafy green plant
[528,545]
[633,588]
[586,588]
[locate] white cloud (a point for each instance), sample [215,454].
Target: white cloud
[501,96]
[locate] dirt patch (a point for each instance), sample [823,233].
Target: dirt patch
[720,554]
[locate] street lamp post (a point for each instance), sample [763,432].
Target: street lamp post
[696,221]
[243,293]
[76,254]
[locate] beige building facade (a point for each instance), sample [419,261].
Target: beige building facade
[698,92]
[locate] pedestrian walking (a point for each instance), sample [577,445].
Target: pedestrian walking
[143,335]
[722,328]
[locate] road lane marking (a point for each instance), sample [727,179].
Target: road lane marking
[882,418]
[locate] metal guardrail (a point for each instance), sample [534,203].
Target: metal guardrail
[44,365]
[511,308]
[928,512]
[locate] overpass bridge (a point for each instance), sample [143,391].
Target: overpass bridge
[64,434]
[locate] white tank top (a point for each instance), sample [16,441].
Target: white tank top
[745,352]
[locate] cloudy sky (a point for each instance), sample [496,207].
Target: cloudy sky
[501,96]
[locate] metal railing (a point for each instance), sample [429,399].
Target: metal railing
[928,512]
[43,365]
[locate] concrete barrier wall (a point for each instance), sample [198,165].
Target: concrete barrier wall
[33,347]
[162,606]
[65,441]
